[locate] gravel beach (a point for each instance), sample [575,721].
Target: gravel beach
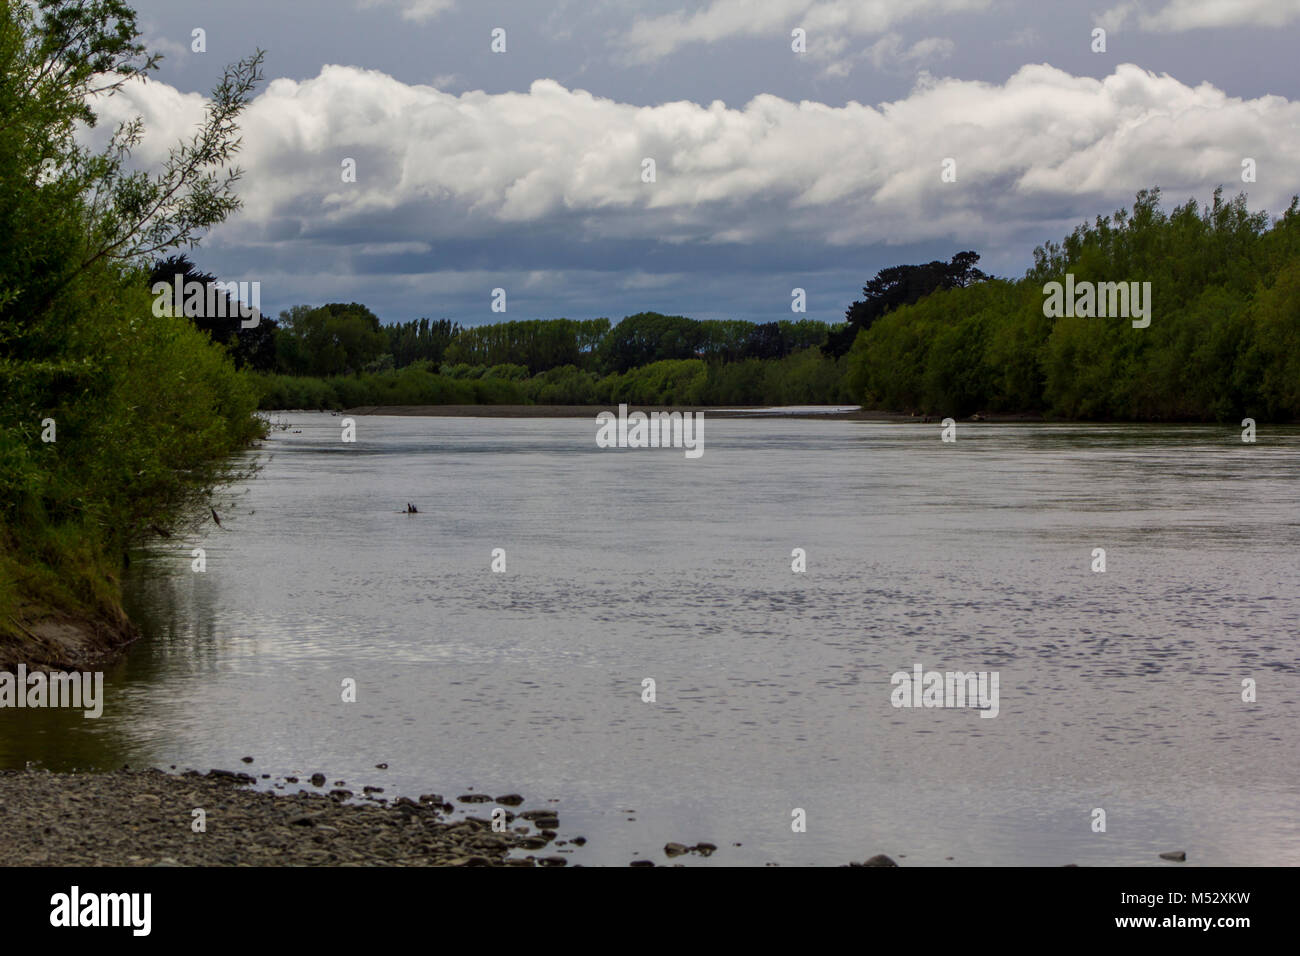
[146,818]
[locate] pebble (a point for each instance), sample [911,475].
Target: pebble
[96,819]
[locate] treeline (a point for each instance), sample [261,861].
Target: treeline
[939,338]
[349,339]
[1223,341]
[116,424]
[340,355]
[808,376]
[648,357]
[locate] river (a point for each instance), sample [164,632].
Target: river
[1120,691]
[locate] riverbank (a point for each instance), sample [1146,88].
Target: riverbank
[147,818]
[820,413]
[64,642]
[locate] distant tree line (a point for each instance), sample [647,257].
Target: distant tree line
[940,338]
[348,339]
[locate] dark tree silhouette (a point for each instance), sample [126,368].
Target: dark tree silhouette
[250,348]
[902,285]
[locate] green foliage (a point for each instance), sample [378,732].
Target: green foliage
[420,341]
[804,377]
[671,382]
[146,410]
[1221,344]
[536,344]
[566,385]
[414,385]
[332,339]
[649,337]
[249,347]
[898,286]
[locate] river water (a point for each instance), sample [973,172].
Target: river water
[1120,691]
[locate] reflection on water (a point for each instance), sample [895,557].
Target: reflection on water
[1119,690]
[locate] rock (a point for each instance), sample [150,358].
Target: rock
[474,798]
[510,800]
[340,794]
[246,759]
[1178,856]
[318,780]
[305,820]
[676,849]
[704,849]
[381,766]
[290,779]
[880,860]
[642,863]
[553,861]
[435,798]
[230,776]
[579,841]
[372,789]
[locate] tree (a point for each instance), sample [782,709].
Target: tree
[57,58]
[898,286]
[332,339]
[651,337]
[148,410]
[252,347]
[420,341]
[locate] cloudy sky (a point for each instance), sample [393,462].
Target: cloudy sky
[773,169]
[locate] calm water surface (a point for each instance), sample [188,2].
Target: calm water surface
[1119,690]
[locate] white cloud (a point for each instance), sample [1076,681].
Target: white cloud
[889,52]
[1174,16]
[655,37]
[417,10]
[1043,148]
[169,48]
[1117,16]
